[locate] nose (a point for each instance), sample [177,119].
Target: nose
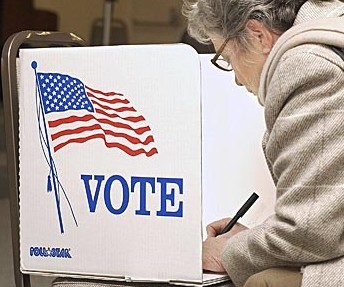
[238,82]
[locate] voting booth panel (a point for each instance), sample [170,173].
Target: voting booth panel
[110,162]
[122,163]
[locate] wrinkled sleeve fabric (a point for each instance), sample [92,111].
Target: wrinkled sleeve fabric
[304,113]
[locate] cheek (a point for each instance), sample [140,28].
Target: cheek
[239,74]
[239,66]
[243,69]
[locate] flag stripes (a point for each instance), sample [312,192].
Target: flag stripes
[77,113]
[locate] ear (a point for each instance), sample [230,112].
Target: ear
[262,37]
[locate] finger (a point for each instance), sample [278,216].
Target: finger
[216,227]
[223,222]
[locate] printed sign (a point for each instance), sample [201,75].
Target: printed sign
[110,162]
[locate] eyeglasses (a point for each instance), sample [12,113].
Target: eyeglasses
[219,61]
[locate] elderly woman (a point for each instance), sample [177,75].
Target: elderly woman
[295,68]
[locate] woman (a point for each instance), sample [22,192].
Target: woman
[300,82]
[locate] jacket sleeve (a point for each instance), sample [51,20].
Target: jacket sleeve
[305,120]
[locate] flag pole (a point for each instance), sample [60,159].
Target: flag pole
[50,157]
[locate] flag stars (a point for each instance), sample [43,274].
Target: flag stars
[63,93]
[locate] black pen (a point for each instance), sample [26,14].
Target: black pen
[240,213]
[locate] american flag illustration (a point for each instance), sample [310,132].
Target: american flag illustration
[76,113]
[69,112]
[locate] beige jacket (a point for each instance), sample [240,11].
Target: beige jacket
[302,90]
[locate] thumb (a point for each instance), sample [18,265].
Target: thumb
[211,231]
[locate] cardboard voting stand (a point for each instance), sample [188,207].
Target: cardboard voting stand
[112,163]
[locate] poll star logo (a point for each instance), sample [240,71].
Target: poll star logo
[70,112]
[53,252]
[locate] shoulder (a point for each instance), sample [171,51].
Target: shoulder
[316,52]
[302,77]
[310,65]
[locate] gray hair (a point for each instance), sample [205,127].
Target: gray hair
[228,18]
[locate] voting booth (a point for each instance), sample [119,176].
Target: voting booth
[125,154]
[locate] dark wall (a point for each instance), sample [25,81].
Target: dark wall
[20,15]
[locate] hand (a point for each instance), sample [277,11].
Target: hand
[213,246]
